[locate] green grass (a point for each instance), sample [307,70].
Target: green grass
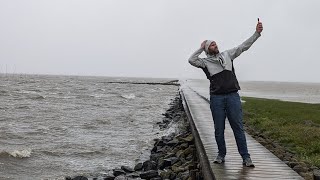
[295,125]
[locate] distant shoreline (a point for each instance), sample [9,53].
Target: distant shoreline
[84,75]
[174,83]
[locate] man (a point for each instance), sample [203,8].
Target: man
[224,97]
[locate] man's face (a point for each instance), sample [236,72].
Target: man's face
[213,48]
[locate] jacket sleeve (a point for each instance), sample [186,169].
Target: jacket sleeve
[194,60]
[235,52]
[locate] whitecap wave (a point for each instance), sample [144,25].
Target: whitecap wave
[17,153]
[128,96]
[21,154]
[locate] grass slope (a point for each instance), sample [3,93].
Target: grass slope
[295,125]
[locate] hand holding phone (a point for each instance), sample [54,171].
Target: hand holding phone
[259,26]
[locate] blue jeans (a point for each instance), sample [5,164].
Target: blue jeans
[228,105]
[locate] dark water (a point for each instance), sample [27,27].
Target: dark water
[52,126]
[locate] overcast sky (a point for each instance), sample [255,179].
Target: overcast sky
[154,38]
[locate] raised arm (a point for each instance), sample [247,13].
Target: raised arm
[194,60]
[235,52]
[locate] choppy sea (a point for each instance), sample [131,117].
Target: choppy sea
[57,126]
[54,126]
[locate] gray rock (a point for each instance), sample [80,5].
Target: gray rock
[261,140]
[173,142]
[316,174]
[309,176]
[269,141]
[149,165]
[138,167]
[184,145]
[163,126]
[109,177]
[154,149]
[166,139]
[169,155]
[173,175]
[121,177]
[180,153]
[167,115]
[171,161]
[288,154]
[189,157]
[175,150]
[155,157]
[303,164]
[269,146]
[164,149]
[187,139]
[149,174]
[176,119]
[166,120]
[156,178]
[80,178]
[166,174]
[188,151]
[286,158]
[298,168]
[158,149]
[159,142]
[127,169]
[178,169]
[163,163]
[182,161]
[302,174]
[292,164]
[118,172]
[133,175]
[183,175]
[279,153]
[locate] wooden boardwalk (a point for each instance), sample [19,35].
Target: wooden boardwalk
[268,166]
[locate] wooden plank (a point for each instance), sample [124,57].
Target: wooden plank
[268,166]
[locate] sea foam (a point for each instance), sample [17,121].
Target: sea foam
[128,96]
[17,153]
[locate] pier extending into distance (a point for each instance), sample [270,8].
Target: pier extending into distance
[195,97]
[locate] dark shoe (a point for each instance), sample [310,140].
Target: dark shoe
[219,160]
[248,162]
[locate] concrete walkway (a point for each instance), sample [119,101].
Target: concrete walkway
[268,166]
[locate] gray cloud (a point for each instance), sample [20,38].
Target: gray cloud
[155,38]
